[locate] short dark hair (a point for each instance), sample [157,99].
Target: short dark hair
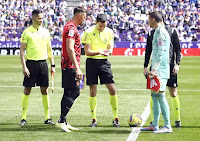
[36,12]
[163,16]
[101,18]
[156,15]
[79,9]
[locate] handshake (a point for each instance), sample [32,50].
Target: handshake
[105,52]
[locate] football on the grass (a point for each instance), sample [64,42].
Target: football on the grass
[134,120]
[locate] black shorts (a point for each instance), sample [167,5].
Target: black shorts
[98,68]
[69,80]
[38,74]
[172,81]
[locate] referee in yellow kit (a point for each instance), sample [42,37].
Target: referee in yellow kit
[36,41]
[98,44]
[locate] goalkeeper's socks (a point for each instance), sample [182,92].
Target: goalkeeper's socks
[114,104]
[151,109]
[164,108]
[24,104]
[93,106]
[176,108]
[45,101]
[156,109]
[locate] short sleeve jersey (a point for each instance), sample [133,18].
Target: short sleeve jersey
[99,41]
[36,41]
[70,31]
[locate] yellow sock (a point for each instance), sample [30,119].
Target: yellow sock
[176,108]
[114,104]
[93,107]
[151,109]
[24,103]
[45,101]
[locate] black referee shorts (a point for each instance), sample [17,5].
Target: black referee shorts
[69,80]
[172,81]
[38,74]
[98,68]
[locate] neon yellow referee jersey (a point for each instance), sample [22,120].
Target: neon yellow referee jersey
[99,40]
[36,41]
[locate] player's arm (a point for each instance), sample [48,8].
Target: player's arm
[23,60]
[110,45]
[50,56]
[148,51]
[70,50]
[160,41]
[88,52]
[177,49]
[86,41]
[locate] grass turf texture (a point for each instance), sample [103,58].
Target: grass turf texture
[130,85]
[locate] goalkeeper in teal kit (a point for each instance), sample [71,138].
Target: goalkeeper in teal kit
[161,69]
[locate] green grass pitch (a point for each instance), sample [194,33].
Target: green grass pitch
[133,98]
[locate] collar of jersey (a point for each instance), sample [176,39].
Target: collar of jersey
[73,23]
[35,28]
[97,31]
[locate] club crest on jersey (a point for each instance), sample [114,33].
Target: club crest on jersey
[71,33]
[105,41]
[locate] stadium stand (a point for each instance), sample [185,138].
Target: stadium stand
[128,18]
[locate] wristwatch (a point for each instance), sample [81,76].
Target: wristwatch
[53,65]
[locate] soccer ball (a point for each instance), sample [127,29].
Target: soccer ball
[134,120]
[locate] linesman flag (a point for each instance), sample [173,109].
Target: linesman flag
[153,83]
[52,81]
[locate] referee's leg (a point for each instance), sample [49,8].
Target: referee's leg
[45,101]
[24,104]
[113,103]
[175,105]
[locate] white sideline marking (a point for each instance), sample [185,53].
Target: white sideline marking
[197,90]
[136,130]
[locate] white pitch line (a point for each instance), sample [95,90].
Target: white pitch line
[136,130]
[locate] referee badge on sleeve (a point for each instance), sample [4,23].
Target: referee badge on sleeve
[161,41]
[71,33]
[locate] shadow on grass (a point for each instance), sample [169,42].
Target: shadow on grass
[185,127]
[5,127]
[103,129]
[108,131]
[104,126]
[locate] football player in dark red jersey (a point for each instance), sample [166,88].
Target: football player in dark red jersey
[70,64]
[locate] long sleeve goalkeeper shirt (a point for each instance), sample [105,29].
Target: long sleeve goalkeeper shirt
[174,51]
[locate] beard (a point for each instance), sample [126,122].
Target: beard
[82,24]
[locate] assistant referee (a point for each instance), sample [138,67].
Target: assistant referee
[35,40]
